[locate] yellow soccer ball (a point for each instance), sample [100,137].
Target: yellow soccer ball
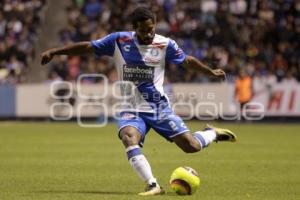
[185,181]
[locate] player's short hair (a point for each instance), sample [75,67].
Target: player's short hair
[141,14]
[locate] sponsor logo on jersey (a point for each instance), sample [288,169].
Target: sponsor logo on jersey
[138,73]
[127,48]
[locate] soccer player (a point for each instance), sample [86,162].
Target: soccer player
[140,58]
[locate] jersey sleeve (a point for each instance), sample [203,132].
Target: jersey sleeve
[174,54]
[105,46]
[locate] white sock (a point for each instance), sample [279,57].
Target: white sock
[140,164]
[205,137]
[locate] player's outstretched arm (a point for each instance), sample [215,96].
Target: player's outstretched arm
[72,49]
[193,63]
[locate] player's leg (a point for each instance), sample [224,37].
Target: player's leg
[131,138]
[171,126]
[187,142]
[194,142]
[132,131]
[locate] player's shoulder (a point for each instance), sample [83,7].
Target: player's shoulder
[167,40]
[161,40]
[124,36]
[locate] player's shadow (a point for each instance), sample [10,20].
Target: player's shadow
[93,192]
[84,192]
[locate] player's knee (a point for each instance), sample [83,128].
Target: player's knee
[128,139]
[130,136]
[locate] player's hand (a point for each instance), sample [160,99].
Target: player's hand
[219,73]
[46,57]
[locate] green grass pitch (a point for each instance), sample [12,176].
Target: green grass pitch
[51,161]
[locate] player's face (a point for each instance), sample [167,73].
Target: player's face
[145,31]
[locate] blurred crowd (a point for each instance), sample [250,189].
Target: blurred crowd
[18,25]
[261,37]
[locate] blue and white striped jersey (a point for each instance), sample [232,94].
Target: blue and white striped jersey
[142,65]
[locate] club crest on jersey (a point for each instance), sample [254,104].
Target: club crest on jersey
[154,52]
[153,56]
